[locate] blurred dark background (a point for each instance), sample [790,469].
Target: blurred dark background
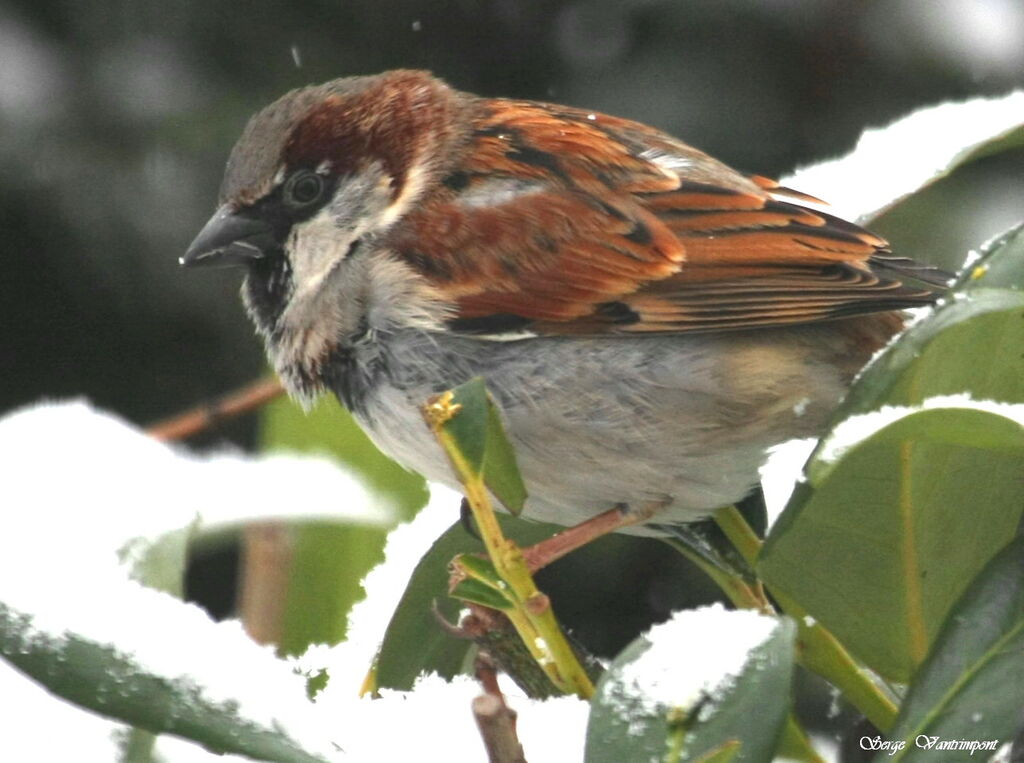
[116,119]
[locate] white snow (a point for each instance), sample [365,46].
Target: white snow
[87,496]
[781,472]
[695,654]
[892,162]
[81,486]
[349,662]
[110,480]
[412,725]
[433,704]
[854,430]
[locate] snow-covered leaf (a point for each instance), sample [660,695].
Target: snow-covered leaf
[893,162]
[973,343]
[92,508]
[121,685]
[913,461]
[693,686]
[901,509]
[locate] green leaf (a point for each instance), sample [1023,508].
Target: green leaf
[112,684]
[864,544]
[329,559]
[478,592]
[481,568]
[969,688]
[998,266]
[480,436]
[883,536]
[468,427]
[501,471]
[969,346]
[483,585]
[414,641]
[328,562]
[631,719]
[974,343]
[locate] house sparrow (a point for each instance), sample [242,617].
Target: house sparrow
[649,320]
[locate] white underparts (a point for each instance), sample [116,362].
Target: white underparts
[314,248]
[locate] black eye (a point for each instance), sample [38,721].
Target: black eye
[304,188]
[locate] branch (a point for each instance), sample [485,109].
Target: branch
[206,415]
[495,719]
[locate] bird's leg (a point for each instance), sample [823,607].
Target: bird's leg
[542,554]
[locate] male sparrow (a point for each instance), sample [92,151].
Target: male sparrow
[649,320]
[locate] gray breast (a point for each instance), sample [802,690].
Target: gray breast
[600,421]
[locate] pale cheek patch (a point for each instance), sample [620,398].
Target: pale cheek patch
[361,205]
[315,247]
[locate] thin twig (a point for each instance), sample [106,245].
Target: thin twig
[495,719]
[209,414]
[487,673]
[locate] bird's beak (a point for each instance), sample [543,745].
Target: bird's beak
[230,238]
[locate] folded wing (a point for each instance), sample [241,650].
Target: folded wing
[561,221]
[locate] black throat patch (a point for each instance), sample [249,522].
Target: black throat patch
[267,287]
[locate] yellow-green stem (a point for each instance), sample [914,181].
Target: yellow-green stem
[736,588]
[531,615]
[674,739]
[739,533]
[821,652]
[794,741]
[818,650]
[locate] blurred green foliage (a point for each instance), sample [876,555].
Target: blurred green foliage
[329,560]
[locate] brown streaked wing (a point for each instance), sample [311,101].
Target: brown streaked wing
[576,223]
[527,227]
